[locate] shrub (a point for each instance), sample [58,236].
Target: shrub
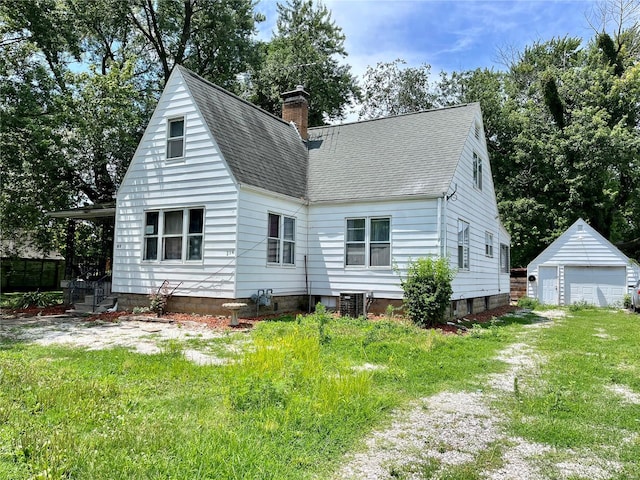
[35,299]
[528,302]
[427,290]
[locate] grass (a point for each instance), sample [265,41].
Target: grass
[298,395]
[569,404]
[289,407]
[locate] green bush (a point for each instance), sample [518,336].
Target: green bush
[528,302]
[35,299]
[427,290]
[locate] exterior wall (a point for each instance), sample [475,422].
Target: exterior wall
[213,306]
[579,245]
[253,271]
[200,179]
[414,233]
[479,209]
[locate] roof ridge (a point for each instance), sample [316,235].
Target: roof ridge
[230,94]
[388,117]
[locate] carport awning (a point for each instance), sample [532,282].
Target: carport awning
[100,210]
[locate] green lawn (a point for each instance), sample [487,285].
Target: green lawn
[294,400]
[585,396]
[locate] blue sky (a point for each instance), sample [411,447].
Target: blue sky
[446,34]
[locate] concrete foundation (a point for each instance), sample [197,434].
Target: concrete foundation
[296,303]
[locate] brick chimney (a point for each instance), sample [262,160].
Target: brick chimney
[295,108]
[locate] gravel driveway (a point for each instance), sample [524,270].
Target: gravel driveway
[436,434]
[451,429]
[147,337]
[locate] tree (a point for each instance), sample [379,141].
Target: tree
[391,90]
[78,78]
[211,37]
[305,51]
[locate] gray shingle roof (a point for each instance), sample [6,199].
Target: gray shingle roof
[413,154]
[261,149]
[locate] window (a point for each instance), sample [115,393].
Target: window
[175,139]
[488,244]
[504,258]
[463,245]
[178,243]
[281,239]
[368,242]
[477,171]
[151,236]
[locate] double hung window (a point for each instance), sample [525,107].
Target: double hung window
[488,244]
[477,171]
[504,258]
[368,242]
[281,239]
[175,138]
[174,235]
[463,245]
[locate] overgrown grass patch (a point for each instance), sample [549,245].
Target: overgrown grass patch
[299,395]
[571,402]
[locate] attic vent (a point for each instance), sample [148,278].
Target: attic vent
[581,228]
[352,304]
[477,131]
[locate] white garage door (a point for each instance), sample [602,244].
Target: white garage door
[596,285]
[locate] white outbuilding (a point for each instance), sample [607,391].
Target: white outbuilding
[581,266]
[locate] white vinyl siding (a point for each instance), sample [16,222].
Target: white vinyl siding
[254,271]
[413,233]
[200,180]
[479,209]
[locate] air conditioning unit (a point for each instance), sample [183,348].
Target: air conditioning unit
[352,304]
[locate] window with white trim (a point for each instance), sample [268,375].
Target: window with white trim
[463,245]
[281,239]
[504,258]
[488,244]
[477,171]
[368,242]
[174,235]
[175,138]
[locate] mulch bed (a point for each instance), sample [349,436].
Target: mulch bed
[222,323]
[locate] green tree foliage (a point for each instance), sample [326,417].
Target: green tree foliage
[563,133]
[305,51]
[390,90]
[427,290]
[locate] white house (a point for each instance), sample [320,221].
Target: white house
[227,202]
[581,266]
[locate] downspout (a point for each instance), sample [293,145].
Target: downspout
[439,225]
[444,246]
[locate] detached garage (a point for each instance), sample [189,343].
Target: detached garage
[581,266]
